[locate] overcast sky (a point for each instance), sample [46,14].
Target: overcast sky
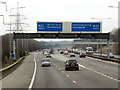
[62,10]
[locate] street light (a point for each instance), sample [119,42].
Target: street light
[3,18]
[113,7]
[118,40]
[101,18]
[5,4]
[100,40]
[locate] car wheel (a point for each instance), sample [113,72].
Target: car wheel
[77,69]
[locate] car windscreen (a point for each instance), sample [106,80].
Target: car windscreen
[72,61]
[46,60]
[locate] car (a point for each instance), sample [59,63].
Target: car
[82,55]
[65,52]
[72,55]
[71,65]
[46,53]
[46,62]
[48,56]
[61,52]
[111,55]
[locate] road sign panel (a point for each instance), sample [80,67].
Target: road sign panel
[49,26]
[13,55]
[86,27]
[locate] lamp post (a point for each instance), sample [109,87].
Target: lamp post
[3,18]
[108,50]
[5,4]
[118,40]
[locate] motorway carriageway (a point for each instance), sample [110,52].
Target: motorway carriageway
[93,73]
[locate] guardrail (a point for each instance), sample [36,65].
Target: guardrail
[117,60]
[6,68]
[104,58]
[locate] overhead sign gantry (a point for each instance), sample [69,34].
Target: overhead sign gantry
[87,30]
[69,27]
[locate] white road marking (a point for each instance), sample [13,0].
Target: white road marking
[67,76]
[59,68]
[33,77]
[74,82]
[98,72]
[62,71]
[62,58]
[81,66]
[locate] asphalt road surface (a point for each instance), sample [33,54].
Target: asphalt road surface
[93,73]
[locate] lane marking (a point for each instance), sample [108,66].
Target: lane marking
[99,73]
[62,71]
[33,77]
[93,70]
[67,76]
[74,82]
[59,68]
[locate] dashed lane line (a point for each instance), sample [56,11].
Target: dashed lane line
[99,73]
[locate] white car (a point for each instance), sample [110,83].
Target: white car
[46,62]
[72,55]
[46,53]
[65,52]
[111,55]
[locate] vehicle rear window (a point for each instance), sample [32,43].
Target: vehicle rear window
[72,61]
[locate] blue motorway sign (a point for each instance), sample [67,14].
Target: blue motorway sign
[49,26]
[13,55]
[86,27]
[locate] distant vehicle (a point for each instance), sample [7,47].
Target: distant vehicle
[111,55]
[72,55]
[46,62]
[58,49]
[61,52]
[65,52]
[89,50]
[51,51]
[82,55]
[48,56]
[71,65]
[46,53]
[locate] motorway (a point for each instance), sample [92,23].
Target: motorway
[93,73]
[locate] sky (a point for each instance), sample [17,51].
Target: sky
[61,10]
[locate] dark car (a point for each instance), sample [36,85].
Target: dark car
[71,65]
[61,52]
[48,56]
[82,55]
